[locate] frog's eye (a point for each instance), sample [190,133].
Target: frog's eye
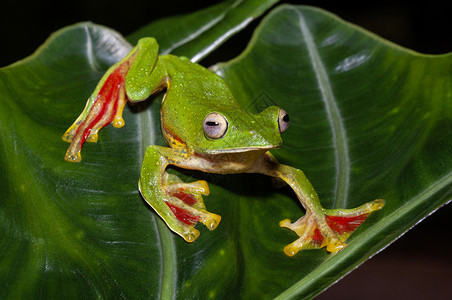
[283,120]
[215,125]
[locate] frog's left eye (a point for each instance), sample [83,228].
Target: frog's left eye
[215,125]
[283,120]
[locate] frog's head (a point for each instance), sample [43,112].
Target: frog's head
[232,131]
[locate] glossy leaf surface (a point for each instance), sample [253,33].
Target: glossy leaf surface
[198,34]
[368,120]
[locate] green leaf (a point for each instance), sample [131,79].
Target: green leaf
[368,120]
[198,34]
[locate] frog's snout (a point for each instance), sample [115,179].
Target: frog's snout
[276,116]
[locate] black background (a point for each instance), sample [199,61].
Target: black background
[25,24]
[419,264]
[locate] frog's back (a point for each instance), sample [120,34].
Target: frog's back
[196,84]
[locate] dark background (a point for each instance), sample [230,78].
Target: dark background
[25,24]
[419,264]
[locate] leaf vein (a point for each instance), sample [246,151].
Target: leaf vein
[339,135]
[89,49]
[168,259]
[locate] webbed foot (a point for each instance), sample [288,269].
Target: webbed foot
[329,228]
[187,205]
[104,106]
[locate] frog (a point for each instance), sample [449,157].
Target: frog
[206,130]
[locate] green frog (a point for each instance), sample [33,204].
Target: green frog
[207,130]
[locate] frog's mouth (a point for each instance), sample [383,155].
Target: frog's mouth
[239,150]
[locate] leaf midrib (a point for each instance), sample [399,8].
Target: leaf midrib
[168,259]
[339,135]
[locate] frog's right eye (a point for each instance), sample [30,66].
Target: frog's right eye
[215,125]
[283,120]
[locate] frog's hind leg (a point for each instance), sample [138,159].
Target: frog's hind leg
[103,107]
[134,78]
[329,227]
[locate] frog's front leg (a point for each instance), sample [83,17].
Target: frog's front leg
[179,204]
[319,227]
[191,193]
